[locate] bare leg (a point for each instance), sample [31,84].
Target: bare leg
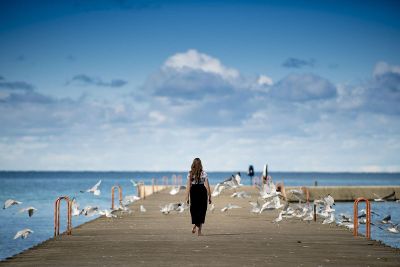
[194,229]
[199,231]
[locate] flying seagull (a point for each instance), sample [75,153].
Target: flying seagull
[134,183]
[30,210]
[74,208]
[23,233]
[95,189]
[10,202]
[386,219]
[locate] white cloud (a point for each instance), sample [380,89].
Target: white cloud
[193,107]
[193,60]
[383,68]
[264,80]
[303,87]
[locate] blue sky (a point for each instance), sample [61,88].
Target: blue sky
[149,85]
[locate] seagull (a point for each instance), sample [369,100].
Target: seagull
[344,217]
[107,213]
[23,233]
[348,225]
[30,210]
[130,199]
[231,182]
[279,218]
[394,228]
[134,183]
[142,208]
[74,207]
[123,208]
[309,217]
[329,200]
[329,220]
[256,207]
[164,209]
[241,194]
[174,190]
[265,206]
[180,207]
[363,220]
[212,207]
[89,211]
[217,189]
[386,219]
[229,207]
[378,199]
[11,202]
[299,194]
[95,189]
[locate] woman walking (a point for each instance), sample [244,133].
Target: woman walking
[199,189]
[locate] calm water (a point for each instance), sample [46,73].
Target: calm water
[40,189]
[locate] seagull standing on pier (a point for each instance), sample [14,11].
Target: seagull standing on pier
[142,208]
[229,207]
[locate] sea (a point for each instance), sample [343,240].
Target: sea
[41,188]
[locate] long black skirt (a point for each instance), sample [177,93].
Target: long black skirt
[198,203]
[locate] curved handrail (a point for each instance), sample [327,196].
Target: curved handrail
[368,215]
[57,216]
[112,195]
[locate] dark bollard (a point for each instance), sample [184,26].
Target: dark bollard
[315,213]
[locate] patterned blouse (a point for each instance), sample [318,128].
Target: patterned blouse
[203,178]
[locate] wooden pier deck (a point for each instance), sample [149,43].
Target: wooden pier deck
[234,238]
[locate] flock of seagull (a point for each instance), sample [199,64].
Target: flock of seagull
[75,210]
[268,199]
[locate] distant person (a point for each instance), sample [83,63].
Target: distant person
[198,188]
[251,173]
[268,185]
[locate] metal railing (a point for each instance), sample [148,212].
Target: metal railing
[368,217]
[112,195]
[57,216]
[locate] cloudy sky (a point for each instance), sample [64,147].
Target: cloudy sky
[149,85]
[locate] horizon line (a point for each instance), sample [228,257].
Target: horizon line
[159,171]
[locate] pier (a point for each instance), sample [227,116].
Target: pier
[234,238]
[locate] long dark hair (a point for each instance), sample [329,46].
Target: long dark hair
[195,170]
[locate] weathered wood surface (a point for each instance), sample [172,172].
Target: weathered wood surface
[234,238]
